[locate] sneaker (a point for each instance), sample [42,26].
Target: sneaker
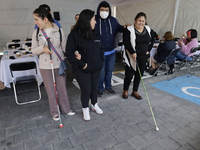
[96,108]
[86,114]
[56,118]
[100,93]
[110,91]
[71,113]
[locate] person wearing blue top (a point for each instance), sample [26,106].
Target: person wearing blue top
[45,6]
[107,26]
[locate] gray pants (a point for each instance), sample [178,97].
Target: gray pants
[61,89]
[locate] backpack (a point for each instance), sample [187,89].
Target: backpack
[59,32]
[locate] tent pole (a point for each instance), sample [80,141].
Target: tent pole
[175,15]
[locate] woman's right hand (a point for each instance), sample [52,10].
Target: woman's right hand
[134,55]
[78,56]
[46,50]
[85,66]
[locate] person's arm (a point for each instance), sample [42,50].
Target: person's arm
[185,49]
[71,48]
[127,42]
[36,49]
[161,47]
[63,44]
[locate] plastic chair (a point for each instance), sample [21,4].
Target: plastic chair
[168,61]
[25,80]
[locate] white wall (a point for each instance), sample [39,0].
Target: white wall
[17,22]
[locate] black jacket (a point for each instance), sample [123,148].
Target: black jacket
[163,50]
[92,52]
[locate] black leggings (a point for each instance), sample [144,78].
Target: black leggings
[129,72]
[88,83]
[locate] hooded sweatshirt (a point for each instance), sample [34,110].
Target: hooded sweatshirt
[107,28]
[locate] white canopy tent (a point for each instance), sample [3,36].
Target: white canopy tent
[17,22]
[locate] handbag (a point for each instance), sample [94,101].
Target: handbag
[63,63]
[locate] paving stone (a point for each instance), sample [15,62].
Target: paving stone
[78,139]
[163,132]
[133,130]
[50,138]
[119,124]
[155,146]
[189,132]
[7,124]
[124,146]
[65,132]
[179,137]
[187,147]
[53,127]
[93,134]
[149,137]
[77,148]
[107,141]
[63,144]
[145,125]
[7,142]
[43,121]
[33,144]
[172,127]
[130,120]
[169,144]
[21,137]
[13,130]
[38,132]
[195,126]
[78,128]
[121,135]
[46,147]
[195,144]
[28,126]
[16,147]
[2,135]
[106,129]
[137,142]
[93,145]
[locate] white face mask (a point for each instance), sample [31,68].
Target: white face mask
[104,14]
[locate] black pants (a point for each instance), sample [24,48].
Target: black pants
[129,72]
[88,83]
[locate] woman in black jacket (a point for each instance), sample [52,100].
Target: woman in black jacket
[163,50]
[85,52]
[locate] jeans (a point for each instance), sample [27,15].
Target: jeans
[181,56]
[106,71]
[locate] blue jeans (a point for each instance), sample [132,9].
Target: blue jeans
[181,56]
[106,71]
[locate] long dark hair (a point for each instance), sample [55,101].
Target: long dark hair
[43,13]
[83,24]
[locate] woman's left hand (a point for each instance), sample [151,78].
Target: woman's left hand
[78,56]
[147,52]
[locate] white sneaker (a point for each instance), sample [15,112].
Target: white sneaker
[86,114]
[96,108]
[71,113]
[56,118]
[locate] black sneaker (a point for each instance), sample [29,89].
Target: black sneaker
[100,93]
[110,91]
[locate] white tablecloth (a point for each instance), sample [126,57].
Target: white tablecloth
[5,75]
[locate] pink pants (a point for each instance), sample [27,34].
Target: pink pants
[61,89]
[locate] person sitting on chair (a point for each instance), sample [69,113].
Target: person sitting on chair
[186,44]
[163,50]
